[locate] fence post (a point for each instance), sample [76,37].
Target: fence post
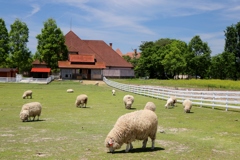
[226,102]
[213,100]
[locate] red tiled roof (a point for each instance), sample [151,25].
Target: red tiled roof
[119,51]
[41,70]
[131,54]
[8,69]
[67,64]
[81,58]
[102,51]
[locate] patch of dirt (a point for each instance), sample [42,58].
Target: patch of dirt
[170,146]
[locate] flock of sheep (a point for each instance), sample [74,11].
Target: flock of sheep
[137,125]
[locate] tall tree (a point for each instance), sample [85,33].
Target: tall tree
[20,56]
[231,44]
[51,44]
[4,48]
[198,58]
[174,60]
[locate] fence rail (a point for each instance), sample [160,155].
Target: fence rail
[20,79]
[225,99]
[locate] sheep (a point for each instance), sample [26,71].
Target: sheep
[70,90]
[81,100]
[29,110]
[137,125]
[171,102]
[96,83]
[128,101]
[27,94]
[187,104]
[113,92]
[150,106]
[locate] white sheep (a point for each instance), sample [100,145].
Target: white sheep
[128,101]
[138,125]
[171,102]
[29,110]
[113,92]
[70,90]
[187,105]
[96,83]
[150,106]
[81,100]
[27,94]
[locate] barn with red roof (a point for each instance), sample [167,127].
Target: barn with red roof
[92,59]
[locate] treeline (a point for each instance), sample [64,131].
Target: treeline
[14,52]
[166,58]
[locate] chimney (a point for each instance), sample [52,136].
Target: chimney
[110,44]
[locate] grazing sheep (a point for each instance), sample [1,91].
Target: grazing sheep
[27,94]
[128,101]
[70,90]
[150,106]
[81,100]
[187,104]
[113,92]
[29,110]
[96,83]
[171,102]
[138,125]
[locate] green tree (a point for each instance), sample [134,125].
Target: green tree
[198,57]
[20,56]
[4,48]
[51,44]
[232,46]
[127,58]
[174,60]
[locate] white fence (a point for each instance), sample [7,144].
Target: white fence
[20,79]
[226,99]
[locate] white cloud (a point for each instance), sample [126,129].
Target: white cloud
[35,9]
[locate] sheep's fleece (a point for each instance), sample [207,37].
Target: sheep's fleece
[81,100]
[27,94]
[187,105]
[150,106]
[29,110]
[138,125]
[128,101]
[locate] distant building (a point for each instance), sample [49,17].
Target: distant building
[92,59]
[8,72]
[40,70]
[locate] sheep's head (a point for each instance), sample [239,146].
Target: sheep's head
[23,96]
[24,115]
[112,145]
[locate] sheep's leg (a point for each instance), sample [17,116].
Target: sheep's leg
[144,143]
[153,144]
[127,147]
[131,146]
[33,118]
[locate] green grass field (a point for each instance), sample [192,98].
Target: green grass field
[69,133]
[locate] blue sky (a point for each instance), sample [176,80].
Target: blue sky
[127,23]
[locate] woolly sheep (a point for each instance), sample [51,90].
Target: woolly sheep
[113,92]
[29,110]
[27,94]
[138,125]
[128,101]
[150,106]
[81,100]
[70,90]
[96,83]
[187,104]
[171,102]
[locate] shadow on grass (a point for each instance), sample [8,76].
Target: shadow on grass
[40,120]
[138,150]
[132,108]
[84,107]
